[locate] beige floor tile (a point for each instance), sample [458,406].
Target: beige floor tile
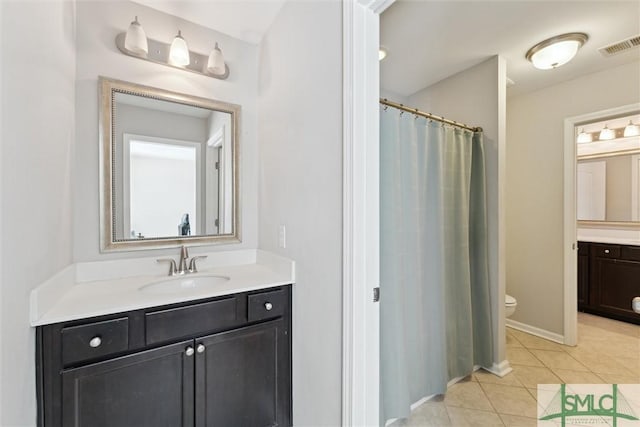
[510,400]
[487,377]
[531,376]
[516,421]
[428,414]
[556,359]
[531,341]
[601,364]
[631,363]
[577,377]
[512,341]
[619,379]
[522,356]
[473,417]
[467,395]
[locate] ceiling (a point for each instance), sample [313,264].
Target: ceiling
[246,20]
[428,41]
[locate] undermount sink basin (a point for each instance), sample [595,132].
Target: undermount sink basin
[183,283]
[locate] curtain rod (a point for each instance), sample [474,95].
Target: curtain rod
[385,101]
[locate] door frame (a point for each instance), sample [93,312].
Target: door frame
[361,223]
[570,218]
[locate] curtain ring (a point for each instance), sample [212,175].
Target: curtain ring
[385,107]
[401,113]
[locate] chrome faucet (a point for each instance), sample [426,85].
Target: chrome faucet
[181,268]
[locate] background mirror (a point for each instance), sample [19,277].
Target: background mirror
[172,167]
[608,170]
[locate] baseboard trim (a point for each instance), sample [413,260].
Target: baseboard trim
[500,369]
[542,333]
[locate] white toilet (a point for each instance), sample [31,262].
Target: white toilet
[510,304]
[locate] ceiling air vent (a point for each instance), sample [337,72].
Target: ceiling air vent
[620,46]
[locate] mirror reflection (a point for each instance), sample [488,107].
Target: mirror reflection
[172,167]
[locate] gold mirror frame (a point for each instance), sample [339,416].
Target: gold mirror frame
[108,242]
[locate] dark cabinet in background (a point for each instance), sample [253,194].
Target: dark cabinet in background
[224,361]
[608,280]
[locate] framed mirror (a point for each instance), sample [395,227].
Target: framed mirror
[169,168]
[608,172]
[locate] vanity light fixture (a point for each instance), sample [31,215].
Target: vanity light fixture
[179,52]
[631,129]
[556,51]
[606,134]
[134,43]
[584,137]
[136,39]
[382,53]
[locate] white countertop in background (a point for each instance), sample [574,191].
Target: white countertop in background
[609,235]
[99,288]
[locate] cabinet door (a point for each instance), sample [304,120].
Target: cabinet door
[243,377]
[583,281]
[148,389]
[617,282]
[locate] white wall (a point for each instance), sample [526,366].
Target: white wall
[98,24]
[535,133]
[38,72]
[300,126]
[476,97]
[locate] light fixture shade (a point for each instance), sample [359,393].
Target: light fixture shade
[606,134]
[556,51]
[631,129]
[179,52]
[584,137]
[136,40]
[215,64]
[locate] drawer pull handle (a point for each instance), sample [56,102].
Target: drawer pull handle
[189,351]
[200,348]
[606,251]
[268,306]
[95,342]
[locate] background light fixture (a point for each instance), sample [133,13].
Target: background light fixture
[631,130]
[136,39]
[134,43]
[584,137]
[215,64]
[606,134]
[556,51]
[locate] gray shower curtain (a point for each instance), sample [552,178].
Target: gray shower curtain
[435,312]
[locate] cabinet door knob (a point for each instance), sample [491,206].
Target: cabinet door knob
[200,348]
[606,251]
[189,351]
[95,342]
[268,306]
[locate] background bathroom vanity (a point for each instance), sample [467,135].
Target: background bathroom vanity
[608,279]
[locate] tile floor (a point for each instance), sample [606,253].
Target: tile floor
[607,352]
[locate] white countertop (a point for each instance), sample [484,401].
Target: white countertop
[77,292]
[612,240]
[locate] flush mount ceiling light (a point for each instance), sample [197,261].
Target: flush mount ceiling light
[584,137]
[556,51]
[382,53]
[606,134]
[135,43]
[631,130]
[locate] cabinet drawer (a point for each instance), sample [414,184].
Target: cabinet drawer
[173,323]
[93,340]
[631,253]
[605,251]
[266,305]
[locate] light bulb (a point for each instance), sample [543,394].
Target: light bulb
[631,129]
[606,134]
[215,64]
[136,40]
[179,52]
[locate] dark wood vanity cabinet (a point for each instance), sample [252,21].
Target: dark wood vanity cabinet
[610,280]
[220,362]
